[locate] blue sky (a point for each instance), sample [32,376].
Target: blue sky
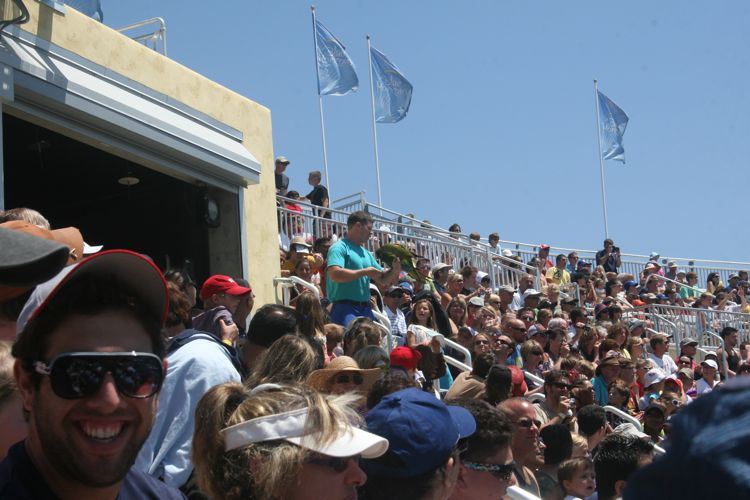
[501,133]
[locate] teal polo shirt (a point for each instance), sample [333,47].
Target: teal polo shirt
[348,255]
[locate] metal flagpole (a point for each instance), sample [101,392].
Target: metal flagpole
[599,153]
[374,128]
[320,105]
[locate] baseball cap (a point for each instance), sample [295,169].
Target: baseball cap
[218,283]
[28,260]
[711,363]
[583,263]
[653,376]
[282,159]
[129,268]
[688,372]
[543,246]
[681,271]
[653,255]
[531,292]
[688,341]
[506,288]
[407,287]
[507,253]
[439,267]
[482,275]
[291,426]
[629,429]
[476,302]
[405,357]
[421,430]
[569,299]
[600,308]
[395,291]
[635,323]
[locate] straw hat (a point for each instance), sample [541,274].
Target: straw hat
[320,379]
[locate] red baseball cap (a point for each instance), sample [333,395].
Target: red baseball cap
[405,357]
[218,283]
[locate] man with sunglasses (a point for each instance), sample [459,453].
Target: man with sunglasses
[556,407]
[487,464]
[525,444]
[89,365]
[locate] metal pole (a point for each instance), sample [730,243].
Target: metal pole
[599,154]
[320,105]
[374,128]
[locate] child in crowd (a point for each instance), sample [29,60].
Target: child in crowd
[577,478]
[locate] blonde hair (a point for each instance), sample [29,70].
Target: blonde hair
[7,381]
[289,360]
[266,470]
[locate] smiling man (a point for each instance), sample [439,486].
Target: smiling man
[89,367]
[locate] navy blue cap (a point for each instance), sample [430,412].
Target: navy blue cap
[628,284]
[422,432]
[710,440]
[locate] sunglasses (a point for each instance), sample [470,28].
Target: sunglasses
[482,342]
[518,329]
[501,472]
[537,353]
[77,375]
[345,379]
[563,385]
[526,423]
[527,318]
[338,464]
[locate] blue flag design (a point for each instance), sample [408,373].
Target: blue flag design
[613,121]
[392,90]
[336,73]
[92,8]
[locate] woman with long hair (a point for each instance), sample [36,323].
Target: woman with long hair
[289,360]
[457,312]
[588,344]
[279,442]
[619,333]
[421,320]
[311,318]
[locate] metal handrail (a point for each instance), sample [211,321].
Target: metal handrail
[287,283]
[516,493]
[624,416]
[724,364]
[537,396]
[159,34]
[385,324]
[534,378]
[456,363]
[458,347]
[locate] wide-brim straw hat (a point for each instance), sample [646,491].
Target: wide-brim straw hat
[320,379]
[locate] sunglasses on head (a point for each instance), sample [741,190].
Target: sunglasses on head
[338,464]
[501,472]
[345,379]
[76,375]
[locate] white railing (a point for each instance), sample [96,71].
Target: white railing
[631,263]
[350,203]
[310,224]
[286,284]
[156,40]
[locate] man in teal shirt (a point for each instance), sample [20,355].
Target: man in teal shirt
[350,267]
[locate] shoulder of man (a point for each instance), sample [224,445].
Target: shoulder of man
[138,485]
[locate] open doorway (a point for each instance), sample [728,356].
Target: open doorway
[113,201]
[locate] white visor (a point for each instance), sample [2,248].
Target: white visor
[290,426]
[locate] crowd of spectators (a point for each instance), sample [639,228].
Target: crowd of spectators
[563,393]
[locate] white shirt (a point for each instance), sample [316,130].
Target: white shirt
[702,387]
[398,321]
[666,363]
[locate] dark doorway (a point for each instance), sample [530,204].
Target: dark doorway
[73,184]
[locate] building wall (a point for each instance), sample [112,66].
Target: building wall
[103,45]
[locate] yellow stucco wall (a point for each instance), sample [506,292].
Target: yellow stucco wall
[103,45]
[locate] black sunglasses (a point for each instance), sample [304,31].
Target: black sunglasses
[345,379]
[501,472]
[338,464]
[563,385]
[76,375]
[526,423]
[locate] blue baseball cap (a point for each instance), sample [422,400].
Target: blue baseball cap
[422,432]
[628,284]
[406,286]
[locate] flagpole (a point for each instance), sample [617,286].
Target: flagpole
[374,128]
[599,153]
[320,106]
